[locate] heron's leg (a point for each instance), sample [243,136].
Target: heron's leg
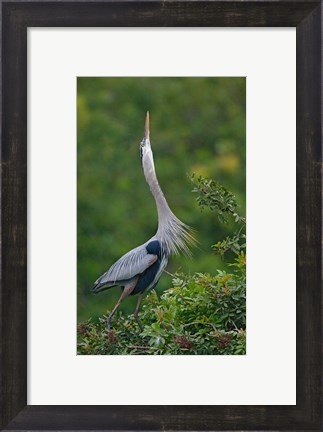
[113,312]
[137,310]
[126,291]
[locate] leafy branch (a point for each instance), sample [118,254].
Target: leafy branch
[213,195]
[216,197]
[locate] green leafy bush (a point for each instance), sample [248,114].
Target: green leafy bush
[199,314]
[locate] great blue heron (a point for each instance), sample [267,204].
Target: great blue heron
[140,269]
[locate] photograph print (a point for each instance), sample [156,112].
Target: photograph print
[161,227]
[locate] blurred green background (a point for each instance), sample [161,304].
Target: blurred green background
[196,125]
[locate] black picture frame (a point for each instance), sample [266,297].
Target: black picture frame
[16,17]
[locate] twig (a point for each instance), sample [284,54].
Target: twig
[138,347]
[198,322]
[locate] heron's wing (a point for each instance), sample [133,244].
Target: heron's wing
[129,265]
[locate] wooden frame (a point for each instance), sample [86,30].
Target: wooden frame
[306,16]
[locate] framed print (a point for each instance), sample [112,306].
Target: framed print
[77,81]
[176,325]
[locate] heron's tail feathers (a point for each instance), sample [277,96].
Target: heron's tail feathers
[176,235]
[100,286]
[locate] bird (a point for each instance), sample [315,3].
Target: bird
[139,270]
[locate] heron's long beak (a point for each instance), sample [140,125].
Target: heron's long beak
[147,127]
[145,143]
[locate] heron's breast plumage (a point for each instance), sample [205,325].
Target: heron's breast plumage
[150,277]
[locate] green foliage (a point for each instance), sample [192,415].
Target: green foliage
[214,196]
[199,314]
[234,243]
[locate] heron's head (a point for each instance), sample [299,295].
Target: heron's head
[145,148]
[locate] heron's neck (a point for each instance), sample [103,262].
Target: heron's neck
[174,234]
[163,210]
